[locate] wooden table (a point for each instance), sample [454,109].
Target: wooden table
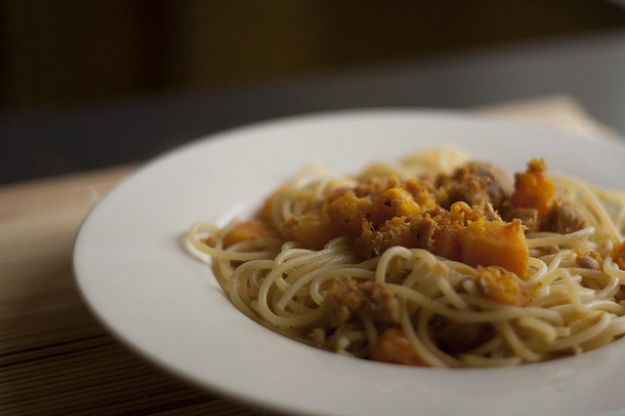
[55,358]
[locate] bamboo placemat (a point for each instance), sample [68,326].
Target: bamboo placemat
[55,358]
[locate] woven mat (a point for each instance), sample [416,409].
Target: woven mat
[55,358]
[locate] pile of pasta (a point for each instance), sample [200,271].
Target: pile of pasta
[432,260]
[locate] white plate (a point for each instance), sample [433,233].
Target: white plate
[132,270]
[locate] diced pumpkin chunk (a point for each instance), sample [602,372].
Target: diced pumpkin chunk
[393,346]
[313,229]
[393,202]
[266,211]
[494,243]
[248,230]
[347,212]
[502,286]
[533,189]
[448,241]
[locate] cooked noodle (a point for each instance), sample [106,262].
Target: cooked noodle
[573,306]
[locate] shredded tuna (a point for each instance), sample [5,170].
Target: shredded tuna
[490,214]
[475,183]
[528,216]
[565,218]
[343,299]
[380,302]
[346,297]
[457,338]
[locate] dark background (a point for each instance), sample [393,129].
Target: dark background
[59,54]
[85,84]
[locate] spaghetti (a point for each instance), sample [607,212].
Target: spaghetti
[433,260]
